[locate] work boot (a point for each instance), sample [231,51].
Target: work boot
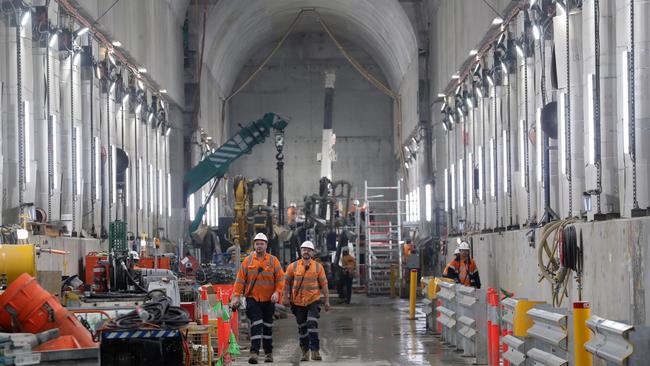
[305,355]
[315,356]
[268,357]
[253,358]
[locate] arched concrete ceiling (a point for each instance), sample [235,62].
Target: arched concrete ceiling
[237,27]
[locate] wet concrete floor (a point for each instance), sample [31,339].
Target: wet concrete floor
[370,331]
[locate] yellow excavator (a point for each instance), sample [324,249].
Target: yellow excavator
[250,218]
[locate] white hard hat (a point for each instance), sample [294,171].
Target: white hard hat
[463,246]
[135,255]
[292,204]
[456,251]
[260,236]
[308,244]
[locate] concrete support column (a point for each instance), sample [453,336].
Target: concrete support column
[529,111]
[600,149]
[481,160]
[65,142]
[633,136]
[88,94]
[176,170]
[40,128]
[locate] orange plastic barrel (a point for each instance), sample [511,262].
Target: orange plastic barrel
[27,307]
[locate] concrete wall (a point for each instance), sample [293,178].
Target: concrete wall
[615,260]
[70,264]
[293,86]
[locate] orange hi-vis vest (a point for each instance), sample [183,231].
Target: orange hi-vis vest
[464,270]
[305,283]
[259,278]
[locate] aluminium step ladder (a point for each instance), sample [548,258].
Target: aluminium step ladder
[384,217]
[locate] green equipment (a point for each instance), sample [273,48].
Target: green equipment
[117,237]
[215,165]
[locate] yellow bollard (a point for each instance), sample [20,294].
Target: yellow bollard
[522,321]
[581,333]
[393,276]
[414,282]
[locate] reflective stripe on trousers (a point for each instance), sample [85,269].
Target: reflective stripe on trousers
[260,315]
[307,319]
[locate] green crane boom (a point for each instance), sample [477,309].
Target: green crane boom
[215,165]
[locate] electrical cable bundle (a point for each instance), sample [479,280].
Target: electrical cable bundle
[158,312]
[562,257]
[570,253]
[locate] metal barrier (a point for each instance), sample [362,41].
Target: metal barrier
[471,314]
[429,312]
[515,323]
[551,336]
[611,340]
[447,312]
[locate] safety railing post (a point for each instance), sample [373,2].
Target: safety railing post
[550,332]
[447,312]
[515,322]
[611,341]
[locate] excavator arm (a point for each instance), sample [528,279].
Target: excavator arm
[214,166]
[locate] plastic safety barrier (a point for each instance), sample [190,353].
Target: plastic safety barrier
[551,336]
[611,340]
[493,327]
[447,312]
[471,310]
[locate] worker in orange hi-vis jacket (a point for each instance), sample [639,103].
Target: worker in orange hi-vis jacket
[260,281]
[305,280]
[463,269]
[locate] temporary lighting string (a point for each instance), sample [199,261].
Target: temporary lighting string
[597,127]
[365,73]
[631,63]
[567,104]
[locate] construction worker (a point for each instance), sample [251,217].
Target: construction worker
[260,281]
[348,266]
[449,271]
[305,281]
[292,213]
[463,269]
